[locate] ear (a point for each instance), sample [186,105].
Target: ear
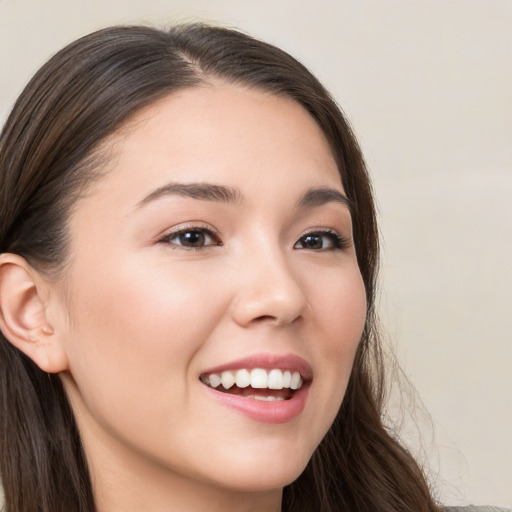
[24,295]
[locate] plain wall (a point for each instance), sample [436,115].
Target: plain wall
[428,88]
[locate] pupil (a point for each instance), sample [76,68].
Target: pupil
[192,238]
[312,242]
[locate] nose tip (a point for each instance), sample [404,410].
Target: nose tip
[275,298]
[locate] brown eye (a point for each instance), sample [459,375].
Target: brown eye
[321,241]
[311,242]
[193,238]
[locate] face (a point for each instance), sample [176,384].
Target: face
[217,248]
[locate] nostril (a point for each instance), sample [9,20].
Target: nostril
[264,318]
[274,320]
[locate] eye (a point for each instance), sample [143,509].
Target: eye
[324,240]
[192,238]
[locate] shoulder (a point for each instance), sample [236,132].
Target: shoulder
[473,508]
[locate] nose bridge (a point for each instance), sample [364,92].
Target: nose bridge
[267,288]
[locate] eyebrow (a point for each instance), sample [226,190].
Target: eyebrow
[312,198]
[203,191]
[319,196]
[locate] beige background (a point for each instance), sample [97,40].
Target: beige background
[428,87]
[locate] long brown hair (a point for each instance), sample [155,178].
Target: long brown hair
[49,154]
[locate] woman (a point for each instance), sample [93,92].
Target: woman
[189,255]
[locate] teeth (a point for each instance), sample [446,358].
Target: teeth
[243,378]
[258,378]
[267,398]
[296,382]
[215,380]
[275,379]
[228,379]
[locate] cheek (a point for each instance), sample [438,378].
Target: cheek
[159,303]
[339,303]
[137,326]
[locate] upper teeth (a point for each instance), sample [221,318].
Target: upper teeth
[257,378]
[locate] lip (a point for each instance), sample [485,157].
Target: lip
[264,412]
[259,411]
[289,362]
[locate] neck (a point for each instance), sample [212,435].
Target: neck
[139,494]
[124,482]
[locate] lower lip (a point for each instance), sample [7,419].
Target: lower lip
[280,411]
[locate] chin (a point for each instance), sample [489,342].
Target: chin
[263,482]
[259,474]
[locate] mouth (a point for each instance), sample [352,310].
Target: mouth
[266,385]
[266,388]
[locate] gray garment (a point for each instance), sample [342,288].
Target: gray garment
[473,508]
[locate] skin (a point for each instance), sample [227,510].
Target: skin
[144,316]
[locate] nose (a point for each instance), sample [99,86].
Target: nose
[267,291]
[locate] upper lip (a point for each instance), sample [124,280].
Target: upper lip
[289,362]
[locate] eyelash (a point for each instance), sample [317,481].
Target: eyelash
[338,242]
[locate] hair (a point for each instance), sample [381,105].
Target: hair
[51,150]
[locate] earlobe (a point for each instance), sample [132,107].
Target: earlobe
[23,316]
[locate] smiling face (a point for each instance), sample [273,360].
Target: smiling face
[212,261]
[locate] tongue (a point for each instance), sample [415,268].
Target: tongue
[284,393]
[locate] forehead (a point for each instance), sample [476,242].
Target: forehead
[224,134]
